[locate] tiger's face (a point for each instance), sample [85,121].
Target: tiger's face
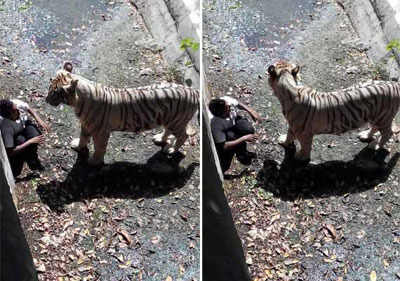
[62,88]
[276,71]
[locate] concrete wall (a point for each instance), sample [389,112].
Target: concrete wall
[377,22]
[5,170]
[223,257]
[15,257]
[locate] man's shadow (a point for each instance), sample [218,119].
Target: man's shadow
[159,176]
[293,179]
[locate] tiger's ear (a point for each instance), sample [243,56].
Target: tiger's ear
[272,71]
[295,71]
[68,66]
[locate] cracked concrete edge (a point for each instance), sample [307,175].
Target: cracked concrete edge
[169,22]
[5,172]
[207,135]
[377,23]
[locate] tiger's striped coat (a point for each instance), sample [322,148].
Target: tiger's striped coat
[310,112]
[103,109]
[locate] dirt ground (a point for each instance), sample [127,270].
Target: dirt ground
[136,217]
[338,217]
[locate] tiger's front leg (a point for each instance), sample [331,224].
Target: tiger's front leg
[287,140]
[100,142]
[306,146]
[81,143]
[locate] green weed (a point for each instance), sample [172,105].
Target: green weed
[188,43]
[25,6]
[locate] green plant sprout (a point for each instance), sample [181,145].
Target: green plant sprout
[189,43]
[237,5]
[393,44]
[25,6]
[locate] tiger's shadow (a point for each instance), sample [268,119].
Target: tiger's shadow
[293,180]
[158,177]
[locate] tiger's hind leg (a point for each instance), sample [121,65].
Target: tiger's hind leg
[163,138]
[368,135]
[306,146]
[100,145]
[181,137]
[386,133]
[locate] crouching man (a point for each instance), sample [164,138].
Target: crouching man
[231,131]
[20,135]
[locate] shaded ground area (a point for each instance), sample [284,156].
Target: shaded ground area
[136,217]
[336,218]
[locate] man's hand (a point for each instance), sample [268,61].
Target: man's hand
[39,140]
[39,120]
[250,137]
[256,116]
[44,125]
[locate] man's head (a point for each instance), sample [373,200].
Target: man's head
[218,107]
[9,110]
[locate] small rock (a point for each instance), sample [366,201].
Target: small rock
[352,70]
[146,72]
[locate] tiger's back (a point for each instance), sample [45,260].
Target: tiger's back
[337,112]
[138,109]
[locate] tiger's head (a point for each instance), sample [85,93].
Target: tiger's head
[62,87]
[276,71]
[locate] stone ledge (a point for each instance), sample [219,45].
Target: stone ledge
[377,23]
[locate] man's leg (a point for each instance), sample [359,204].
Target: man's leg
[31,156]
[17,161]
[242,127]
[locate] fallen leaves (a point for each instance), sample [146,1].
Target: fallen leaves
[155,239]
[329,230]
[125,234]
[372,276]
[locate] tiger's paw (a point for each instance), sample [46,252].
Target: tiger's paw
[169,149]
[95,161]
[158,140]
[75,145]
[282,140]
[364,136]
[374,145]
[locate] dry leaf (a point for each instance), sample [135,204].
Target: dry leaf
[85,268]
[41,268]
[181,269]
[372,276]
[249,260]
[387,210]
[330,230]
[385,264]
[155,239]
[291,262]
[126,235]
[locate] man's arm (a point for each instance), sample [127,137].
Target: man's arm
[256,117]
[41,123]
[228,145]
[11,151]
